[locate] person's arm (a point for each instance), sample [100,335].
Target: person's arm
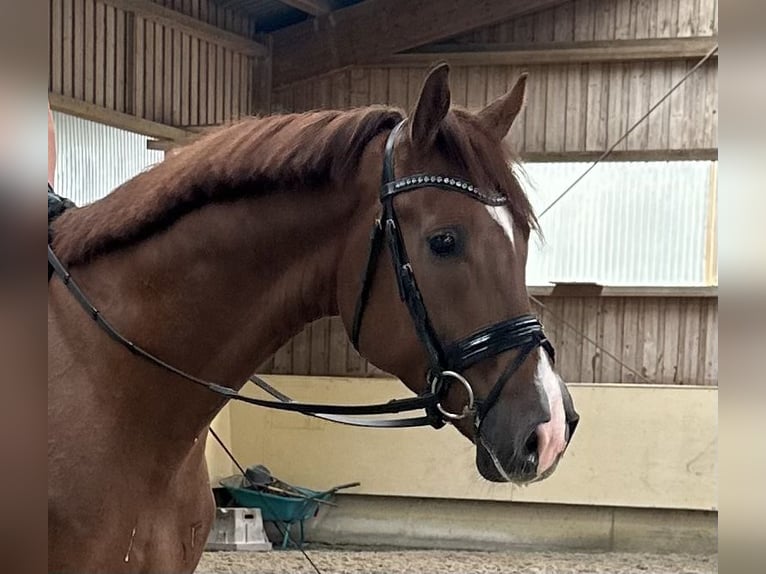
[51,147]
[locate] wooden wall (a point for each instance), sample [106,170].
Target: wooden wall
[637,446]
[668,340]
[575,107]
[114,59]
[606,20]
[118,60]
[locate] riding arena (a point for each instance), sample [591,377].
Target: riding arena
[382,286]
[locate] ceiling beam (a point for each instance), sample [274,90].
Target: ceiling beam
[192,26]
[102,115]
[690,154]
[161,145]
[313,7]
[653,49]
[375,29]
[627,291]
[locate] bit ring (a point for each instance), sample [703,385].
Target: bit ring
[469,409]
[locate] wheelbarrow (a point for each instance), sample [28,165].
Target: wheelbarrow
[286,508]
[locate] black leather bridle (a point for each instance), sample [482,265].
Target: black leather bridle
[446,363]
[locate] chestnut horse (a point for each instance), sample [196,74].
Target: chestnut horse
[214,258]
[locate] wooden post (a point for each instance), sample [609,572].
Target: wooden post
[711,229]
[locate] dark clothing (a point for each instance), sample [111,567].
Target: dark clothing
[56,206]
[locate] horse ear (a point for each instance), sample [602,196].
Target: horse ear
[432,107]
[498,116]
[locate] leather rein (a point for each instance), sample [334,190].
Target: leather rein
[445,362]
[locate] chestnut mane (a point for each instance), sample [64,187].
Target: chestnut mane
[262,155]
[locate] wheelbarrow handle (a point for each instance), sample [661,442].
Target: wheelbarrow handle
[342,486]
[298,494]
[334,489]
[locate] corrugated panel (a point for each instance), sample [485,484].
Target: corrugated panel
[625,223]
[93,159]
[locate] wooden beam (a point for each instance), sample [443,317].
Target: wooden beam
[711,230]
[192,26]
[160,145]
[163,144]
[654,49]
[692,154]
[648,291]
[93,112]
[313,7]
[375,29]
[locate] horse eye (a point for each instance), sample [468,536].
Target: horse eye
[443,244]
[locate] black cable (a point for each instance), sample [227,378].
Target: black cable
[603,156]
[229,453]
[299,546]
[593,342]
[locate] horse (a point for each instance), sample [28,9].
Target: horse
[215,257]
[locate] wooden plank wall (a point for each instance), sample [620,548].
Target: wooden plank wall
[606,20]
[571,108]
[106,56]
[574,107]
[668,340]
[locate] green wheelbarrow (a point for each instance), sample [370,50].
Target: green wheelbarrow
[286,508]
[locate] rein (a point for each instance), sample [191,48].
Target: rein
[446,362]
[335,413]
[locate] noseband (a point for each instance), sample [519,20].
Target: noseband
[446,362]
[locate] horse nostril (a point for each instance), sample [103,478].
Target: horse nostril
[570,429]
[530,447]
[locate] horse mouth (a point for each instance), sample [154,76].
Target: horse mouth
[519,470]
[491,468]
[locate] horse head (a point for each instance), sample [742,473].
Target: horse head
[443,303]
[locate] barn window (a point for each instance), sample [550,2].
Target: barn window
[626,223]
[92,158]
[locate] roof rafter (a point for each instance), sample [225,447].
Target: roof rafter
[109,117]
[376,29]
[313,7]
[650,49]
[191,26]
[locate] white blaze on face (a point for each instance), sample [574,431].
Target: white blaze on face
[502,217]
[551,436]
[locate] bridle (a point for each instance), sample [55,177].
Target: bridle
[446,362]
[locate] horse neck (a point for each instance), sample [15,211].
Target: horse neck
[215,295]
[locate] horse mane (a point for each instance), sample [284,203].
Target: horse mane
[466,143]
[261,155]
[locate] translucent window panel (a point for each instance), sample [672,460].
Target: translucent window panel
[92,159]
[625,223]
